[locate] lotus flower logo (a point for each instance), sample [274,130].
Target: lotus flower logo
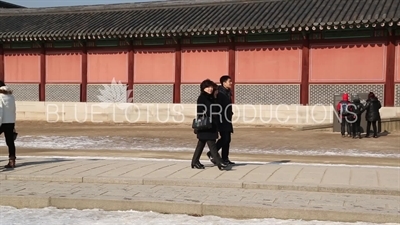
[116,92]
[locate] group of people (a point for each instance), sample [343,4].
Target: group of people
[212,95]
[7,121]
[351,111]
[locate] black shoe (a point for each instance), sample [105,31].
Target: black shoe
[228,162]
[211,158]
[375,136]
[222,166]
[198,165]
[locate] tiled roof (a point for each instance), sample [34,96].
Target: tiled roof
[194,17]
[4,4]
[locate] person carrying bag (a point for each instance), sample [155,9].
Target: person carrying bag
[205,126]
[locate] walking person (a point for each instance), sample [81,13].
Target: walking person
[343,108]
[372,115]
[7,120]
[225,127]
[358,109]
[207,136]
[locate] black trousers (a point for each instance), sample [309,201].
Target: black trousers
[345,124]
[357,126]
[8,130]
[200,147]
[374,127]
[224,143]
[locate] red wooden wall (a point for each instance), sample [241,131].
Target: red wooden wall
[297,62]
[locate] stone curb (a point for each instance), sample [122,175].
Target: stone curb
[206,183]
[196,209]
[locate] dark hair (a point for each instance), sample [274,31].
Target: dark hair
[371,95]
[206,83]
[215,86]
[224,78]
[2,84]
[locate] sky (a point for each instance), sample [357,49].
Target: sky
[52,3]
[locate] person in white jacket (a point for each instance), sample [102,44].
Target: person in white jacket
[7,121]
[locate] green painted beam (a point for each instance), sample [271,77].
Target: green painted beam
[268,37]
[205,40]
[21,45]
[107,43]
[63,44]
[341,34]
[154,41]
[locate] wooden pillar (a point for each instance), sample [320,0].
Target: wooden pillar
[390,69]
[84,74]
[42,85]
[178,72]
[131,66]
[305,72]
[232,65]
[1,63]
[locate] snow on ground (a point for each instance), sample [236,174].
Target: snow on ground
[53,216]
[121,143]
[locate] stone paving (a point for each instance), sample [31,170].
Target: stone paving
[333,178]
[203,201]
[248,190]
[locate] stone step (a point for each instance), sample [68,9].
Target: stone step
[224,202]
[261,176]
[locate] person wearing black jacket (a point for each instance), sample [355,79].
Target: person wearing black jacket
[208,136]
[358,109]
[225,127]
[372,115]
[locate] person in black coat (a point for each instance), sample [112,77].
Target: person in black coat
[357,108]
[372,115]
[205,107]
[225,127]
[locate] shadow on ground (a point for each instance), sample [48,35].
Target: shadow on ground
[22,164]
[230,167]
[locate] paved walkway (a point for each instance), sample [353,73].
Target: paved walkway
[279,190]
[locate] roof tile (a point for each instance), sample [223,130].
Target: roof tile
[196,16]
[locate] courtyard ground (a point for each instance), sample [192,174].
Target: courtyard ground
[245,190]
[251,144]
[280,173]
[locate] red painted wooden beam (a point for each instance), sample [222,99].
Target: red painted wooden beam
[131,65]
[232,65]
[305,72]
[390,69]
[1,63]
[42,84]
[84,74]
[178,72]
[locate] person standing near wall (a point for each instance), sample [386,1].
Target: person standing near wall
[225,127]
[358,109]
[7,119]
[343,108]
[372,115]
